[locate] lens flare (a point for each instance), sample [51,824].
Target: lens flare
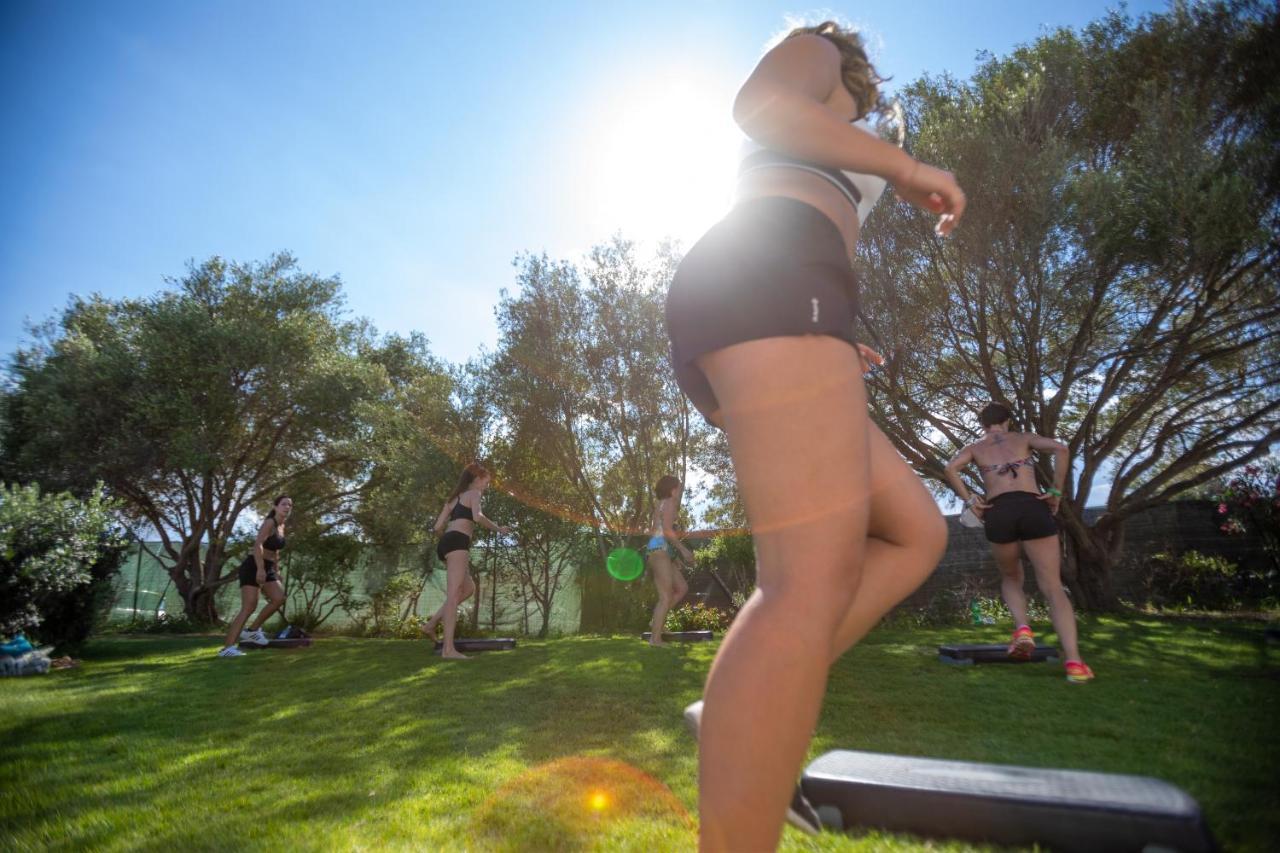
[624,564]
[580,803]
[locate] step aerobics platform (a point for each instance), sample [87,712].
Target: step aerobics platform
[967,655]
[682,636]
[295,643]
[481,644]
[1001,804]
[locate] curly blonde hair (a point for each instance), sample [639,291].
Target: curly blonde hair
[859,75]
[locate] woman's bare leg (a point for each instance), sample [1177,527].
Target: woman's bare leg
[906,537]
[1046,557]
[458,564]
[794,411]
[468,590]
[1009,559]
[248,604]
[671,588]
[275,600]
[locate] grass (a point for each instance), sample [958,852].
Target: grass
[577,743]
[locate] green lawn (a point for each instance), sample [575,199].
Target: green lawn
[370,744]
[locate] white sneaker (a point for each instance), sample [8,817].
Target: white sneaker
[256,637]
[230,652]
[693,718]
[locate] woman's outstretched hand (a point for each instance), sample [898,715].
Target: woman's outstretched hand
[870,358]
[933,190]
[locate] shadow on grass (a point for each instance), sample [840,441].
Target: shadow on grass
[331,724]
[380,743]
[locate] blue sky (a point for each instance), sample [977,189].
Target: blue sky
[412,148]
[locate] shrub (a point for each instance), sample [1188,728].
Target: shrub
[697,617]
[732,560]
[954,605]
[1249,501]
[319,580]
[58,555]
[992,611]
[1192,580]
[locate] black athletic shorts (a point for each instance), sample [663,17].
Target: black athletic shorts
[1017,517]
[774,267]
[454,540]
[248,571]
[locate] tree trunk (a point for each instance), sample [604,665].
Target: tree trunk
[202,606]
[198,597]
[1091,554]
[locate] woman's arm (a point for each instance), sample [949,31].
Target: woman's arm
[259,557]
[1061,466]
[669,531]
[783,106]
[441,521]
[483,520]
[952,473]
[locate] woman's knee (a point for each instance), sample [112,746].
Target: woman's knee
[822,598]
[1013,574]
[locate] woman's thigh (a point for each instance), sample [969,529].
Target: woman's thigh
[794,413]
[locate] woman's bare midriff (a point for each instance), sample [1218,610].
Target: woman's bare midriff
[810,189]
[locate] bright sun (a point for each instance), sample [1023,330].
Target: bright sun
[662,160]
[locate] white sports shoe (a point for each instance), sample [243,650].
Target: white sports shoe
[230,652]
[256,637]
[693,718]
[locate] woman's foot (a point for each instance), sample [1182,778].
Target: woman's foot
[230,652]
[801,814]
[1023,644]
[1078,672]
[693,718]
[453,655]
[428,628]
[255,636]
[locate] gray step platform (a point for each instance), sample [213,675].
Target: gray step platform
[296,643]
[1001,804]
[965,655]
[481,644]
[682,636]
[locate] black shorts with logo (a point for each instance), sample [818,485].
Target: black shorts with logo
[1017,517]
[774,267]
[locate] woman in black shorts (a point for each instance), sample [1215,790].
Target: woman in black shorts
[760,315]
[1018,518]
[257,572]
[461,513]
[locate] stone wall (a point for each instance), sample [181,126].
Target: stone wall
[967,568]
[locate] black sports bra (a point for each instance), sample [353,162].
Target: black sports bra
[275,541]
[460,511]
